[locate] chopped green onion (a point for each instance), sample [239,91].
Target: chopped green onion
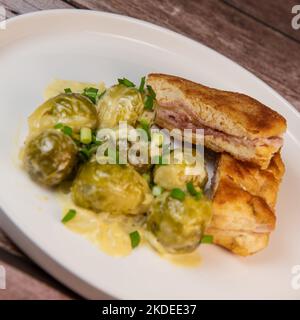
[150,97]
[157,191]
[178,194]
[126,82]
[68,90]
[151,92]
[91,90]
[135,239]
[59,126]
[91,93]
[207,239]
[142,85]
[191,189]
[144,123]
[67,130]
[193,192]
[101,94]
[69,216]
[199,195]
[85,154]
[148,104]
[86,135]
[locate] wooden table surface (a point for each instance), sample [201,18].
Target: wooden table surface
[256,34]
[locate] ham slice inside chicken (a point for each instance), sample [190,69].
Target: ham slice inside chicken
[181,120]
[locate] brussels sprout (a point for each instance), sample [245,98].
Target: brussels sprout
[178,225]
[73,110]
[119,103]
[50,157]
[177,175]
[111,188]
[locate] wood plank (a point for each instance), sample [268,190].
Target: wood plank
[24,280]
[25,6]
[275,14]
[7,245]
[267,53]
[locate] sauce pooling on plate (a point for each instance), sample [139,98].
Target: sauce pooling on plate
[110,233]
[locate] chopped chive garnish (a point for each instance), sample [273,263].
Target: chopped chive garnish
[151,92]
[192,191]
[178,194]
[91,90]
[157,191]
[91,93]
[135,239]
[207,239]
[59,126]
[101,94]
[85,154]
[150,97]
[126,82]
[69,216]
[142,85]
[199,195]
[67,130]
[148,104]
[85,135]
[68,90]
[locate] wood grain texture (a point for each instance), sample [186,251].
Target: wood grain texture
[255,34]
[8,246]
[268,54]
[241,36]
[275,14]
[27,281]
[15,7]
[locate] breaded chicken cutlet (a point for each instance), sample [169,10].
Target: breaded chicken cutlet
[244,198]
[233,122]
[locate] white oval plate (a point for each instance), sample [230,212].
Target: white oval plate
[93,46]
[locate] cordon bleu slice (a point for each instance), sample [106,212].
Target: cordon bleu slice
[233,122]
[244,198]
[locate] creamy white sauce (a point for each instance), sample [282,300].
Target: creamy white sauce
[110,233]
[57,86]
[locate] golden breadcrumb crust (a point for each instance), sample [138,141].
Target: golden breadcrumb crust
[244,198]
[233,113]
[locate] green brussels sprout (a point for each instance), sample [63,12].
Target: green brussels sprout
[73,110]
[50,157]
[177,175]
[111,188]
[177,225]
[119,103]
